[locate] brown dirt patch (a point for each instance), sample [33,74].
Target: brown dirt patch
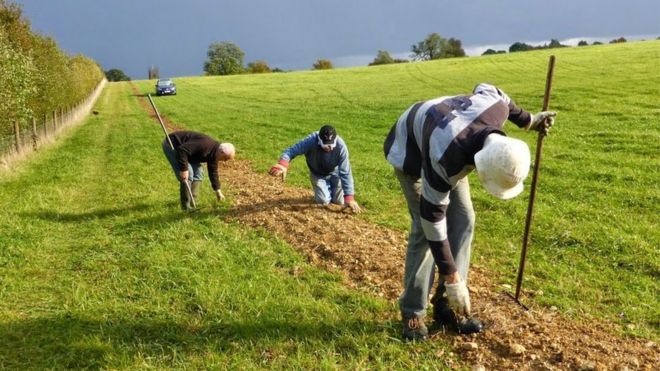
[371,258]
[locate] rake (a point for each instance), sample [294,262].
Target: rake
[162,125]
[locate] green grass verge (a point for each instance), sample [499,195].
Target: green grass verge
[100,269]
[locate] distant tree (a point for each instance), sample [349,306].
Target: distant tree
[277,70]
[322,64]
[519,47]
[400,60]
[492,51]
[619,40]
[582,43]
[428,49]
[153,72]
[554,43]
[258,67]
[115,74]
[452,48]
[224,58]
[383,57]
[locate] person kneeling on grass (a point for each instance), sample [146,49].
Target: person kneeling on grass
[432,147]
[329,168]
[191,149]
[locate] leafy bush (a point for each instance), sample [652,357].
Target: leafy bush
[116,74]
[322,64]
[258,67]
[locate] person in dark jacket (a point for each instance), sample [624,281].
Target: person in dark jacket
[191,149]
[329,168]
[432,147]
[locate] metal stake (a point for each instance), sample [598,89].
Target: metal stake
[532,194]
[162,125]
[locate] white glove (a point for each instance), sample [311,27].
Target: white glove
[219,195]
[542,121]
[458,297]
[354,206]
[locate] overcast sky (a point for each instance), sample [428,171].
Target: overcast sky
[174,35]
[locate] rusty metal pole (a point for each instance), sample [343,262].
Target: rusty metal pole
[162,125]
[34,133]
[17,134]
[532,194]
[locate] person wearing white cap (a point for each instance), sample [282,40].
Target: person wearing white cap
[432,147]
[191,149]
[329,167]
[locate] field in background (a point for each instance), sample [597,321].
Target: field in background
[594,248]
[99,268]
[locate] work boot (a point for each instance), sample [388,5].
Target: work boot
[194,188]
[186,202]
[414,329]
[445,318]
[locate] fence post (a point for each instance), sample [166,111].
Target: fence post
[34,133]
[17,130]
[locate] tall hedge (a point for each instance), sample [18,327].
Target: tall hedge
[36,77]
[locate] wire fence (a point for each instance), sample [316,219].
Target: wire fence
[29,136]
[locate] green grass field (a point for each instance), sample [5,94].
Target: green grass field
[99,268]
[594,247]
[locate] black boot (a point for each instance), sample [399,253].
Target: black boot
[194,188]
[445,318]
[186,202]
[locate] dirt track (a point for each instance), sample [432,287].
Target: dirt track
[370,258]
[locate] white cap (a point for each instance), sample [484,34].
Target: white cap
[502,165]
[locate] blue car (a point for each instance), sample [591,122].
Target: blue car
[165,87]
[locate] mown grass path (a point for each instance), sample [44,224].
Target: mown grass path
[100,269]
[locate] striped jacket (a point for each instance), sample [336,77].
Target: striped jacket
[437,140]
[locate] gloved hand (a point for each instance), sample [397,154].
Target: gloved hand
[279,168]
[353,205]
[542,121]
[349,202]
[219,196]
[458,297]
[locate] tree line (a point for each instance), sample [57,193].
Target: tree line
[37,77]
[554,43]
[227,58]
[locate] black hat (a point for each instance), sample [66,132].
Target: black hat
[328,134]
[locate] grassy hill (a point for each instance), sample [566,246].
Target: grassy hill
[99,269]
[594,247]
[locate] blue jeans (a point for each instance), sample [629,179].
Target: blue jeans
[420,267]
[195,170]
[327,189]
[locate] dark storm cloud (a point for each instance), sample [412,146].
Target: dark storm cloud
[292,34]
